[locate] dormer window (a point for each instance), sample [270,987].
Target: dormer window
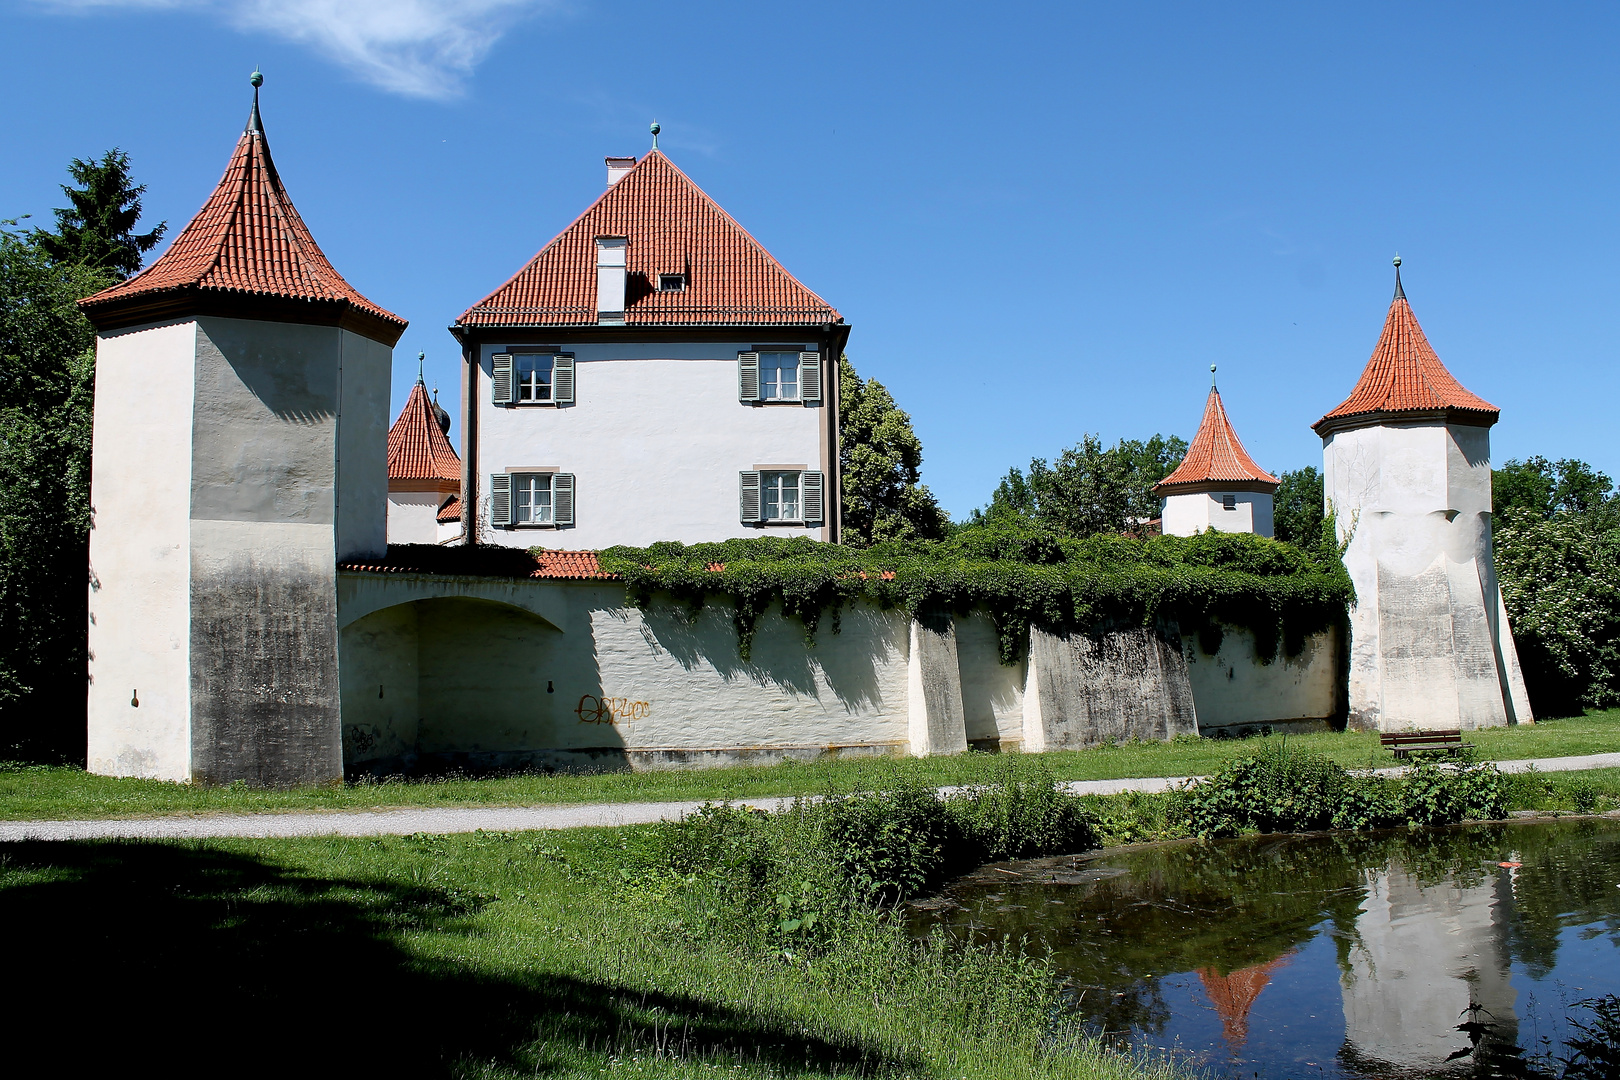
[671,282]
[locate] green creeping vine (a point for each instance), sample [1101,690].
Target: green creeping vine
[1020,575]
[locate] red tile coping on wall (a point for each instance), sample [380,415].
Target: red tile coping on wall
[450,512]
[1405,375]
[418,448]
[247,245]
[483,561]
[673,227]
[1216,454]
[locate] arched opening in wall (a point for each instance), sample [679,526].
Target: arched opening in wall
[460,684]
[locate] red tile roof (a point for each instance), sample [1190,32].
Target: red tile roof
[673,228]
[248,245]
[483,561]
[450,512]
[1216,456]
[418,448]
[1406,376]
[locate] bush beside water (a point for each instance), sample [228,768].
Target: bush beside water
[1275,791]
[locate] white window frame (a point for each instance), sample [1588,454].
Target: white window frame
[520,384]
[529,486]
[781,477]
[790,361]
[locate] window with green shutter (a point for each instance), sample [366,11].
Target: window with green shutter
[749,483]
[748,377]
[500,378]
[500,499]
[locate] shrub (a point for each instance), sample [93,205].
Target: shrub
[1276,791]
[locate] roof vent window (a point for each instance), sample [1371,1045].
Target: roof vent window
[671,282]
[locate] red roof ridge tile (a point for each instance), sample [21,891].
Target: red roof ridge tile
[1404,376]
[418,448]
[1216,454]
[247,252]
[674,226]
[460,561]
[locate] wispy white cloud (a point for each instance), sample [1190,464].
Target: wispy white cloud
[420,48]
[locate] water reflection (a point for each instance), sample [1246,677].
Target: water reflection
[1357,956]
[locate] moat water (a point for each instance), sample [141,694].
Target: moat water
[1435,953]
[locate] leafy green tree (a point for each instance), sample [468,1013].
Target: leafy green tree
[1297,506]
[97,228]
[880,456]
[1088,490]
[1560,581]
[1543,488]
[47,372]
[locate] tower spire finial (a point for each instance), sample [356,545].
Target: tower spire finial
[1400,293]
[655,129]
[421,361]
[1212,376]
[257,79]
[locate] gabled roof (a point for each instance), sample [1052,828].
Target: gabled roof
[418,448]
[247,253]
[1216,456]
[1405,376]
[672,228]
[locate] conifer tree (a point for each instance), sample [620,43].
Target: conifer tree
[880,455]
[97,228]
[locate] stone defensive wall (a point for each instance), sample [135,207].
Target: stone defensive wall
[489,672]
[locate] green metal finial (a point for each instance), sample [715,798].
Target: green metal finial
[1212,376]
[1400,293]
[421,359]
[257,78]
[1397,262]
[655,129]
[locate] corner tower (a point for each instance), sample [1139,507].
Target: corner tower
[1217,485]
[1407,463]
[239,452]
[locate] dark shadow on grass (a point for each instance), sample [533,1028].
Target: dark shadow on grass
[125,956]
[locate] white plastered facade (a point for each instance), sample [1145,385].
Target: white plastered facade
[1190,514]
[655,439]
[1430,643]
[234,461]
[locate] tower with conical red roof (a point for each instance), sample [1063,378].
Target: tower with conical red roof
[239,452]
[424,472]
[1407,463]
[1217,485]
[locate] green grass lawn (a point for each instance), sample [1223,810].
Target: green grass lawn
[40,793]
[482,955]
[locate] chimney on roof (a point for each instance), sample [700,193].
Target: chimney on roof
[610,271]
[618,167]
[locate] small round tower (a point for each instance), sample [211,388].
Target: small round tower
[1407,479]
[1217,485]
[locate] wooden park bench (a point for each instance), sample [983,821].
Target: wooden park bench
[1402,743]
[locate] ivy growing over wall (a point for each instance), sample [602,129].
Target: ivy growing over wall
[1020,574]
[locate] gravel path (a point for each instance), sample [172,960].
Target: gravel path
[407,820]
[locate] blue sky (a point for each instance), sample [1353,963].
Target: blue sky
[1041,221]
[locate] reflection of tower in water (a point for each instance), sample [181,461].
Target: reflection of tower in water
[1233,995]
[1424,959]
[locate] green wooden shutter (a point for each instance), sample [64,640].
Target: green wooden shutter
[810,378]
[500,497]
[562,498]
[812,487]
[562,379]
[500,379]
[750,497]
[748,376]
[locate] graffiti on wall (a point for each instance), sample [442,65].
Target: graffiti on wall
[610,710]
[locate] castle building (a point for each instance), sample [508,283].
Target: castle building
[424,473]
[652,374]
[1407,463]
[239,453]
[1217,485]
